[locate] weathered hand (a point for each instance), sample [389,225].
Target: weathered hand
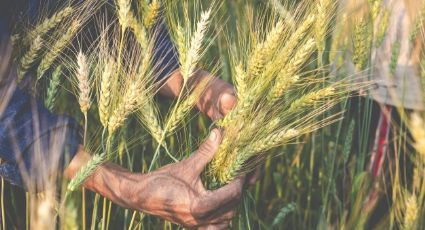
[176,193]
[218,99]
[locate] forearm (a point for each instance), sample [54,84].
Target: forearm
[109,180]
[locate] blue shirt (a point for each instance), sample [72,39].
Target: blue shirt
[33,141]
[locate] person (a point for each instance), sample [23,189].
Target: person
[174,192]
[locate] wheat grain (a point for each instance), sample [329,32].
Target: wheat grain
[30,57]
[152,14]
[49,23]
[57,48]
[83,83]
[52,90]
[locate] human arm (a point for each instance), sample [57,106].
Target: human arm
[174,192]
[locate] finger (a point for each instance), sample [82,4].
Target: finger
[206,151]
[227,101]
[229,194]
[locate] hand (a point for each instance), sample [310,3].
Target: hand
[218,99]
[176,193]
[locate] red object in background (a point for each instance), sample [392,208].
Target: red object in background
[381,141]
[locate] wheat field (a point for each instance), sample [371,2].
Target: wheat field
[306,118]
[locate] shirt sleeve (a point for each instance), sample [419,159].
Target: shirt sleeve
[34,143]
[165,55]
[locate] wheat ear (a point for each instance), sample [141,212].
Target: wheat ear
[124,10]
[57,48]
[152,14]
[263,51]
[309,100]
[49,23]
[287,77]
[149,117]
[194,51]
[105,92]
[83,83]
[235,161]
[185,106]
[411,212]
[241,81]
[86,171]
[294,41]
[383,27]
[30,57]
[324,9]
[138,30]
[52,90]
[362,44]
[129,104]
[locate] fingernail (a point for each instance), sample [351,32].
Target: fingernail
[213,136]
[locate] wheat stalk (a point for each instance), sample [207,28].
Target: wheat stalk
[52,90]
[83,83]
[49,24]
[30,57]
[57,48]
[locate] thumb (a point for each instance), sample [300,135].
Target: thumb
[207,150]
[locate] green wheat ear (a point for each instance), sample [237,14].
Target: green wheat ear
[86,171]
[52,90]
